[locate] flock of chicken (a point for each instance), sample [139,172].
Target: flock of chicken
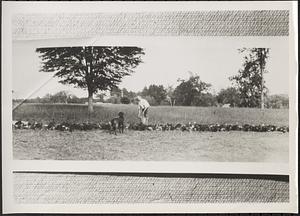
[156,127]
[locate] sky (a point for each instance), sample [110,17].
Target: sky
[166,60]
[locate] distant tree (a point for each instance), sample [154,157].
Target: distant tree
[157,92]
[114,99]
[125,100]
[90,67]
[60,97]
[115,92]
[101,96]
[73,99]
[125,92]
[277,101]
[144,92]
[205,100]
[250,81]
[170,96]
[229,96]
[83,100]
[130,94]
[33,100]
[47,98]
[188,90]
[151,100]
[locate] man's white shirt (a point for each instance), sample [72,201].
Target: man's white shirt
[143,104]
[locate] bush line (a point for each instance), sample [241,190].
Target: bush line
[156,127]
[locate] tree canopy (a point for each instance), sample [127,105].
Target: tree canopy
[190,91]
[249,80]
[157,92]
[230,96]
[90,67]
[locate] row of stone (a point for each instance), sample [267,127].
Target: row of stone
[156,127]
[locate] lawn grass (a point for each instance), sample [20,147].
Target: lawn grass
[159,114]
[151,145]
[233,146]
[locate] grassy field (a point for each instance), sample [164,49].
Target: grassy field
[233,146]
[160,114]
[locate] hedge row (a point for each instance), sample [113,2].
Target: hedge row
[157,127]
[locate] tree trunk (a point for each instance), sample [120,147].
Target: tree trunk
[262,90]
[90,103]
[262,103]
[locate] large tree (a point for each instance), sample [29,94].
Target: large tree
[250,79]
[189,91]
[93,68]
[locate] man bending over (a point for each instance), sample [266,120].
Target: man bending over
[143,107]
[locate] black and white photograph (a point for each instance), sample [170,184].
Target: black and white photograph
[175,100]
[198,98]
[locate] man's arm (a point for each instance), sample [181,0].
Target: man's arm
[139,110]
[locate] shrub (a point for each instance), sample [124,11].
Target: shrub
[113,100]
[277,101]
[125,100]
[229,96]
[205,100]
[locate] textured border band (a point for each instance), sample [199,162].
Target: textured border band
[96,188]
[184,23]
